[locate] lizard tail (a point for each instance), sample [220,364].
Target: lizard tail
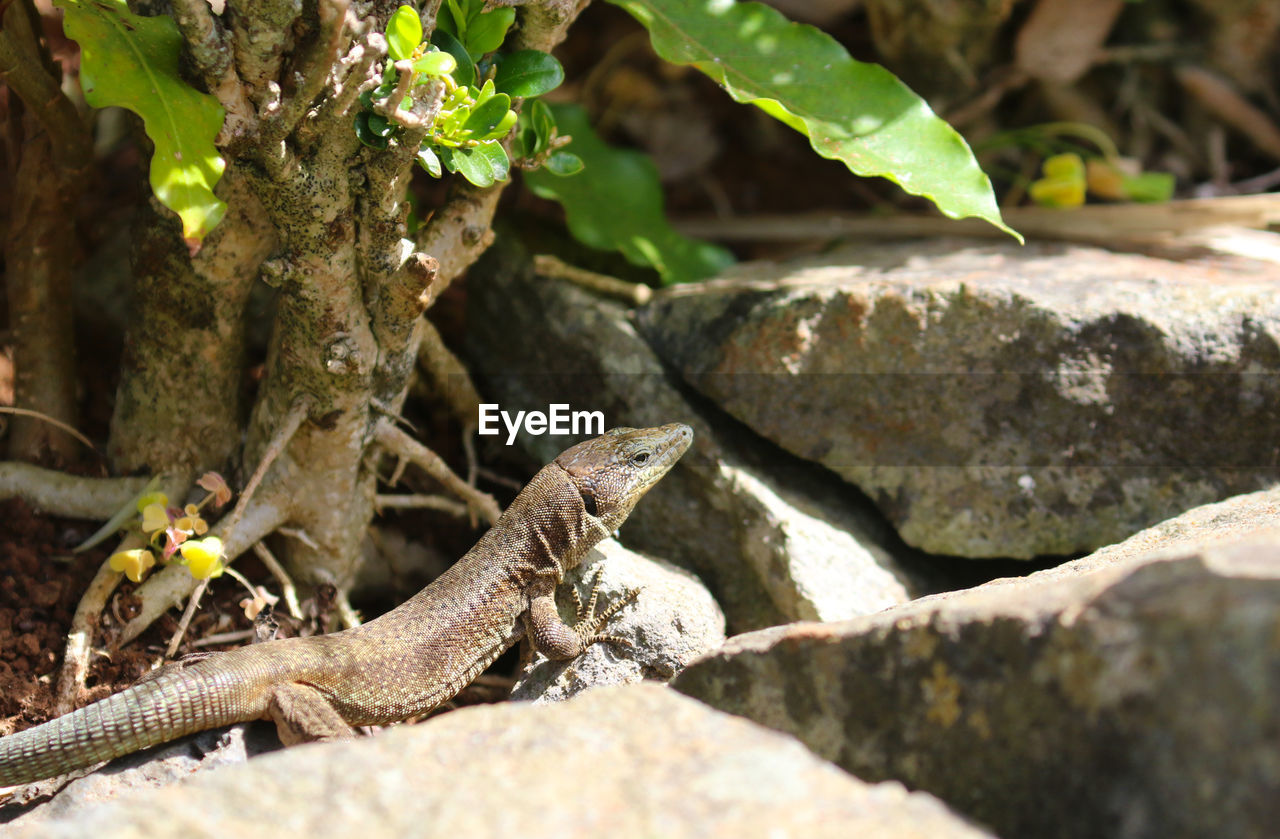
[151,712]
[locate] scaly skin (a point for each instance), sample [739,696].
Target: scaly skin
[405,662]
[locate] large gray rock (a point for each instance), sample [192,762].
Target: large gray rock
[773,539]
[636,761]
[672,621]
[1131,698]
[996,401]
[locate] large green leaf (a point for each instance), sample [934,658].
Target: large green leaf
[132,62]
[859,114]
[616,204]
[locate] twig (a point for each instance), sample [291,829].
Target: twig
[636,294]
[186,618]
[60,494]
[1107,223]
[225,638]
[61,426]
[1217,95]
[498,478]
[420,502]
[287,588]
[400,444]
[289,426]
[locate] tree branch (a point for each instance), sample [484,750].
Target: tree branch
[59,494]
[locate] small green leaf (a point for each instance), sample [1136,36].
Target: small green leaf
[564,164]
[133,62]
[617,205]
[485,31]
[366,134]
[429,161]
[859,114]
[500,130]
[528,73]
[380,125]
[1149,187]
[544,125]
[435,64]
[486,115]
[465,73]
[404,33]
[483,165]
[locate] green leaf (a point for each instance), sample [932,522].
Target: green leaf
[404,33]
[483,165]
[485,32]
[859,114]
[617,205]
[465,73]
[564,164]
[429,161]
[435,64]
[528,73]
[367,134]
[487,115]
[500,130]
[132,62]
[1149,187]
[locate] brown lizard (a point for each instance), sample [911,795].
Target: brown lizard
[405,662]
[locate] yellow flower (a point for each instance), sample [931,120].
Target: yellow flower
[1063,184]
[134,563]
[203,557]
[155,517]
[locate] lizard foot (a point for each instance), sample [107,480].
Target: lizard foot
[588,624]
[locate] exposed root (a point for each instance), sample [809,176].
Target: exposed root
[60,494]
[289,426]
[401,444]
[287,588]
[187,614]
[420,502]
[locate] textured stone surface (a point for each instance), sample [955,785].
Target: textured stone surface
[59,799]
[996,401]
[773,539]
[636,761]
[1129,698]
[672,621]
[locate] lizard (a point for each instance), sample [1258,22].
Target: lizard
[405,662]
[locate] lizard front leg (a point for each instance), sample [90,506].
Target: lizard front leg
[556,639]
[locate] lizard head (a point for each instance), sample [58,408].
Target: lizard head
[613,471]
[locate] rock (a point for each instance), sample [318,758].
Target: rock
[630,761]
[996,401]
[774,539]
[1132,698]
[673,620]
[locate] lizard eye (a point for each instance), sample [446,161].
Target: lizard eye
[640,458]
